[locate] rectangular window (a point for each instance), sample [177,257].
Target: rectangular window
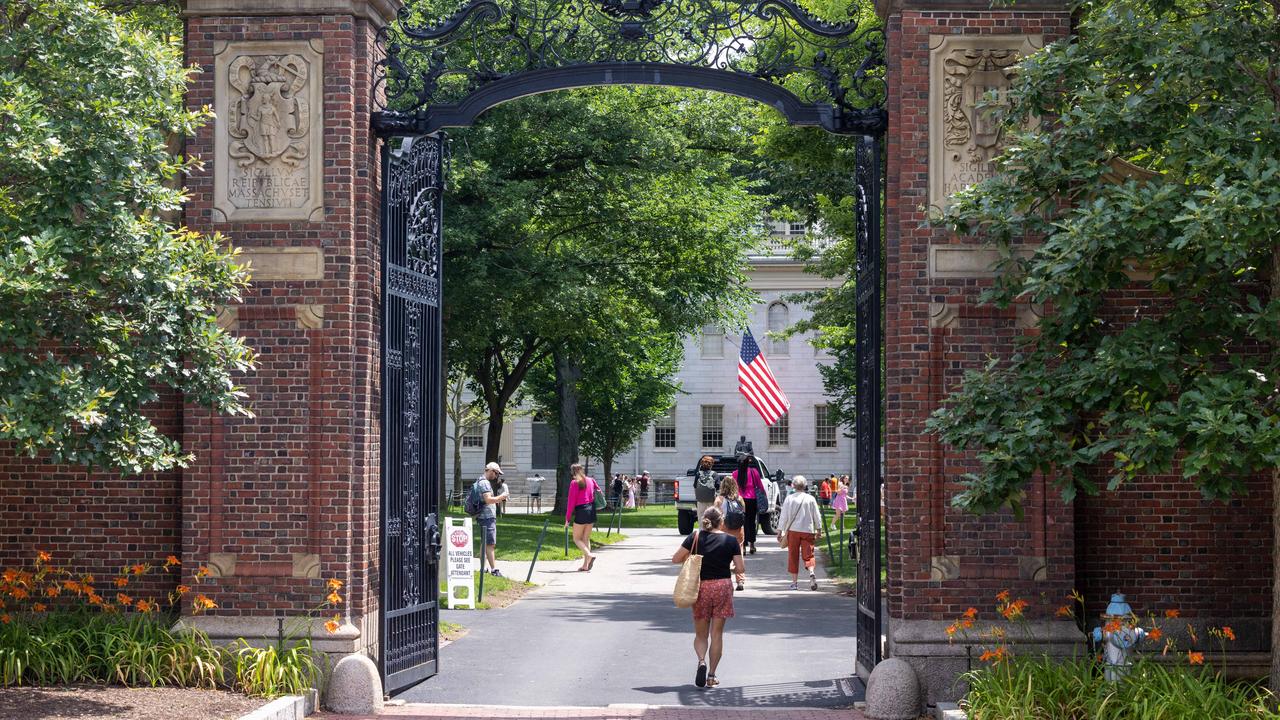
[712,427]
[473,436]
[664,430]
[824,432]
[780,432]
[712,341]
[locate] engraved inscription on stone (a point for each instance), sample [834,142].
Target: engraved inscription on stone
[268,146]
[964,136]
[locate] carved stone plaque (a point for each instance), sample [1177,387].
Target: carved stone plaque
[964,138]
[269,133]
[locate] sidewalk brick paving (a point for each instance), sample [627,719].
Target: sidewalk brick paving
[616,712]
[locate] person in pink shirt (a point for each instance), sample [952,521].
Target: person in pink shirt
[581,511]
[752,490]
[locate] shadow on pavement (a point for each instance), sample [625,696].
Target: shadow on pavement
[837,693]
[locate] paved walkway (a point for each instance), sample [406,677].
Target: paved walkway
[612,639]
[616,712]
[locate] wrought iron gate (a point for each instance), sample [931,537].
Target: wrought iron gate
[412,402]
[868,402]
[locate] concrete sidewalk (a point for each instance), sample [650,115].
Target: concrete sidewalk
[613,712]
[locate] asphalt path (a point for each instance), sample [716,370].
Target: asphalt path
[613,636]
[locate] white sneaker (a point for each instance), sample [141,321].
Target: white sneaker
[813,581]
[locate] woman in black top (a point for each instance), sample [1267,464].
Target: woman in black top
[721,557]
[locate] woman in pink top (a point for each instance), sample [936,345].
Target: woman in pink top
[752,490]
[581,510]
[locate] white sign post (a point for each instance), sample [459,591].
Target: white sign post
[461,562]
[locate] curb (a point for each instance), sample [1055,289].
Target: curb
[289,707]
[949,711]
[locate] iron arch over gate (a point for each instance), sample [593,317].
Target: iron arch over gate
[434,76]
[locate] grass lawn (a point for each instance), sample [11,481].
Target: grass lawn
[848,573]
[652,516]
[499,592]
[518,536]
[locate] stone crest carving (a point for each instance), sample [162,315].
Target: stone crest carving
[269,135]
[963,137]
[269,116]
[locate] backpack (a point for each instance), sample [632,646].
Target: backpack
[735,515]
[473,503]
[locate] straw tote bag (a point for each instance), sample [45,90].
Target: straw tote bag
[686,592]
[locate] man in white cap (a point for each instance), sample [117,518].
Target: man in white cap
[642,492]
[488,519]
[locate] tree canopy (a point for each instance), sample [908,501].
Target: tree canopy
[1156,168]
[106,303]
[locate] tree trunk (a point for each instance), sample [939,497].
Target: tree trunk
[493,438]
[457,463]
[568,373]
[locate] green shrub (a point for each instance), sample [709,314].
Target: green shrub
[1073,689]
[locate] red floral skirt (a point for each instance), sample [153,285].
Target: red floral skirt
[715,599]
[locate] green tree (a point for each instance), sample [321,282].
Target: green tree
[563,201]
[1159,149]
[106,305]
[627,381]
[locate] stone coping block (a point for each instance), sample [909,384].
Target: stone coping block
[260,631]
[289,707]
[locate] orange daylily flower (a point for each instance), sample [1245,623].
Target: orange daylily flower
[334,584]
[124,599]
[1063,611]
[334,598]
[171,561]
[145,606]
[4,618]
[121,581]
[971,613]
[53,591]
[1111,626]
[1155,634]
[138,569]
[1171,613]
[202,602]
[39,607]
[19,593]
[333,625]
[43,557]
[1228,633]
[1003,596]
[182,590]
[10,575]
[1195,658]
[951,629]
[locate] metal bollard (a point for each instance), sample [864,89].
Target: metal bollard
[537,549]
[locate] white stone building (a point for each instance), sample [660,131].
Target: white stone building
[710,414]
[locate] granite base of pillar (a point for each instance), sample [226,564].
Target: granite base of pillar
[941,661]
[264,631]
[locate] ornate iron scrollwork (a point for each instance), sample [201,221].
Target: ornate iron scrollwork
[427,66]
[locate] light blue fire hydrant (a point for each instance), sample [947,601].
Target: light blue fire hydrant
[1117,642]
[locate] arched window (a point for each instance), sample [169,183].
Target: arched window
[779,319]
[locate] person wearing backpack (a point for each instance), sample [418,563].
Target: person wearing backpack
[479,505]
[734,509]
[747,477]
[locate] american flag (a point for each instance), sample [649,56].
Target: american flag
[757,383]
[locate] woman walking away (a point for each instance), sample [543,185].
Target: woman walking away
[732,508]
[840,502]
[753,493]
[801,524]
[721,554]
[581,509]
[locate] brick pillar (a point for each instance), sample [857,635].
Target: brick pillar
[278,503]
[943,55]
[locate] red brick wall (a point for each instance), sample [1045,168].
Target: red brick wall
[300,476]
[93,524]
[924,363]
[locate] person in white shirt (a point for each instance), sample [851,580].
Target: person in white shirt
[801,525]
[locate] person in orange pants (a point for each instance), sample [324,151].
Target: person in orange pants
[801,525]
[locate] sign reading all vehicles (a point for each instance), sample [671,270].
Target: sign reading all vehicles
[460,563]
